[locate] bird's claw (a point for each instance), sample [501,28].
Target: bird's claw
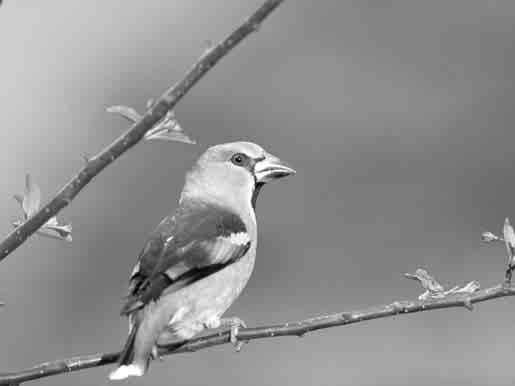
[234,338]
[155,354]
[234,323]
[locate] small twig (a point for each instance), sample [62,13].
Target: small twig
[297,328]
[508,239]
[29,203]
[127,112]
[132,136]
[168,129]
[509,242]
[434,290]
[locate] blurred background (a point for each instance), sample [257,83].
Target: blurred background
[398,116]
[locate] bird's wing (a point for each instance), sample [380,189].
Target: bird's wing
[197,241]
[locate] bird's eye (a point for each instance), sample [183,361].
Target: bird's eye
[239,159]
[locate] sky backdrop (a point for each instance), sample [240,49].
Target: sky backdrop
[398,116]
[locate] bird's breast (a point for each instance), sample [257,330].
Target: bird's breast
[220,289]
[208,298]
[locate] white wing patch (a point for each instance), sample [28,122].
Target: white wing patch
[220,250]
[240,238]
[223,247]
[177,270]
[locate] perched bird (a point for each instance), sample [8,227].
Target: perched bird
[197,261]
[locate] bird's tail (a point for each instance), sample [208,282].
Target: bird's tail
[129,364]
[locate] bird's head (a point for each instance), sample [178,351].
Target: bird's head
[233,172]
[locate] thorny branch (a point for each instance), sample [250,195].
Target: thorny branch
[155,114]
[297,328]
[435,297]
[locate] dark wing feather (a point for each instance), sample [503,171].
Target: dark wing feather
[196,242]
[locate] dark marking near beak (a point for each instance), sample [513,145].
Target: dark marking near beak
[255,193]
[257,185]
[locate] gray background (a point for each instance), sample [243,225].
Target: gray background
[397,115]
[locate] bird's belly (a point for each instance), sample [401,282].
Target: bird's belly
[208,298]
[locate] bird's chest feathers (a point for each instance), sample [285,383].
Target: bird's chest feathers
[222,288]
[209,298]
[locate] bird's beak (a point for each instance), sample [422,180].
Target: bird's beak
[271,168]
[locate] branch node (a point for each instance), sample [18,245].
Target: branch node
[357,316]
[488,237]
[256,27]
[346,317]
[167,129]
[434,290]
[30,202]
[126,112]
[468,304]
[397,307]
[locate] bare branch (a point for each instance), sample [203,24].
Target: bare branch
[297,328]
[156,112]
[435,297]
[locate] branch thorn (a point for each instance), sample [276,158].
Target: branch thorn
[468,304]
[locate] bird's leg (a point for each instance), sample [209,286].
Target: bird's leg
[155,354]
[509,274]
[234,323]
[166,339]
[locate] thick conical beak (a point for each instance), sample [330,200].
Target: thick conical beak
[271,168]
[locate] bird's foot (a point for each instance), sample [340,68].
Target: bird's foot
[155,354]
[234,323]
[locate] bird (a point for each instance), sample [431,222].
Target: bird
[197,261]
